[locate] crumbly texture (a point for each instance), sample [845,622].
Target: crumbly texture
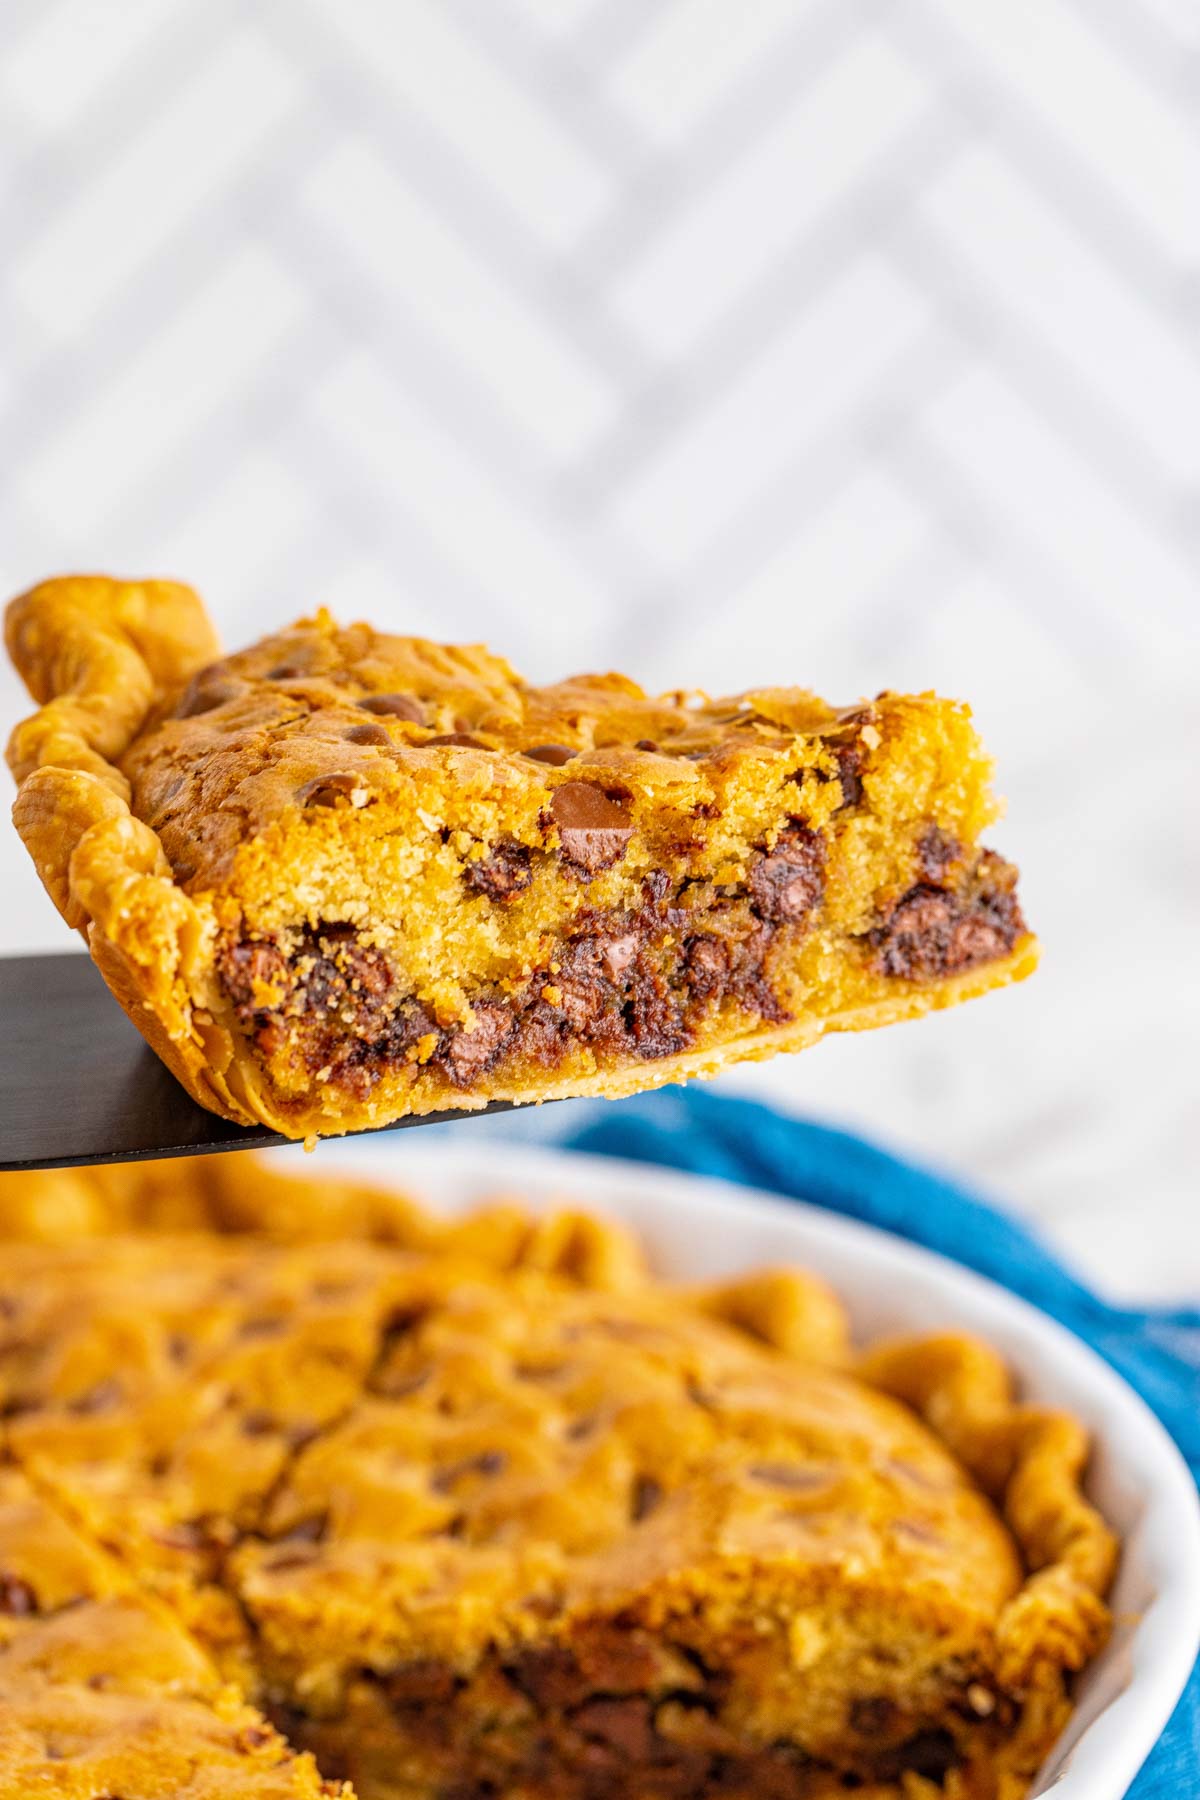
[483,1509]
[342,877]
[102,1691]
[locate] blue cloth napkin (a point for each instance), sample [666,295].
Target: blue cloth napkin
[1158,1352]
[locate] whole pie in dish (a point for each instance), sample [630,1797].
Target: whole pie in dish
[479,1508]
[342,877]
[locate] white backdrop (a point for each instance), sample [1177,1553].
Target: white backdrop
[850,342]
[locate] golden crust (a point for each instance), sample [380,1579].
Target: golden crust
[98,655]
[467,1444]
[334,879]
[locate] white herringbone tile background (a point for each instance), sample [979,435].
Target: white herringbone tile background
[855,342]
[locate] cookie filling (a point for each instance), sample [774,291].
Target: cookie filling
[625,984]
[626,1712]
[936,930]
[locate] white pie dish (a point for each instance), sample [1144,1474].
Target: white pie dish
[699,1228]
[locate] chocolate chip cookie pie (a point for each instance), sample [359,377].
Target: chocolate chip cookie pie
[342,877]
[484,1512]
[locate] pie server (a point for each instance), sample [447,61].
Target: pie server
[79,1085]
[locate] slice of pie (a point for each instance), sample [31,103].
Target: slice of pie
[342,877]
[484,1510]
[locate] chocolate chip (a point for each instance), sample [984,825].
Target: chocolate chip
[656,887]
[593,827]
[423,1683]
[623,1724]
[328,1288]
[469,1054]
[258,1423]
[17,1598]
[100,1398]
[488,1462]
[263,1325]
[208,689]
[245,967]
[707,965]
[647,1493]
[930,1753]
[544,1606]
[309,1530]
[540,1371]
[401,1385]
[873,1717]
[294,1559]
[849,761]
[617,954]
[655,1018]
[646,744]
[787,883]
[932,932]
[910,1471]
[184,1534]
[287,672]
[551,1676]
[367,734]
[501,875]
[401,1322]
[394,706]
[554,754]
[462,738]
[917,1530]
[327,790]
[792,1476]
[937,852]
[253,1737]
[582,1001]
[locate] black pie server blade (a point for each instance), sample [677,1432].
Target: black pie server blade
[79,1085]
